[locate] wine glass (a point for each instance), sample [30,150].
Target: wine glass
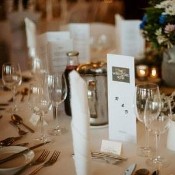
[12,78]
[39,103]
[57,92]
[157,119]
[143,91]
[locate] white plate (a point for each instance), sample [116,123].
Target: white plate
[12,166]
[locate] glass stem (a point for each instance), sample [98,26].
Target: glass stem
[55,116]
[147,137]
[157,140]
[42,127]
[14,98]
[54,113]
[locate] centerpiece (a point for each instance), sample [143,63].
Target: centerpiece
[158,28]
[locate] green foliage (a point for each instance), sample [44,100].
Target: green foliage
[158,25]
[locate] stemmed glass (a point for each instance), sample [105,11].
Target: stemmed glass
[157,119]
[144,91]
[39,103]
[12,78]
[57,92]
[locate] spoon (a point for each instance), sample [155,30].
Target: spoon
[142,171]
[24,92]
[20,131]
[18,120]
[156,172]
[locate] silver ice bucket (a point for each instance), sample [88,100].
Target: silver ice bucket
[95,75]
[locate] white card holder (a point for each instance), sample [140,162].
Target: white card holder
[121,89]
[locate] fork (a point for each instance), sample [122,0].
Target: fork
[50,162]
[39,160]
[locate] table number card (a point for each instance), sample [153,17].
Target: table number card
[57,58]
[129,38]
[42,43]
[80,33]
[121,89]
[30,33]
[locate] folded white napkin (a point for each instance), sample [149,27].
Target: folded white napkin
[80,124]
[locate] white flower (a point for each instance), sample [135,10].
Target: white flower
[160,38]
[168,6]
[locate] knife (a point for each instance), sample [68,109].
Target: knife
[4,104]
[9,141]
[130,169]
[13,156]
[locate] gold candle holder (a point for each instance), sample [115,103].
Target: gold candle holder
[142,72]
[154,73]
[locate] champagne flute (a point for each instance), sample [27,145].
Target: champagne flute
[157,119]
[39,103]
[57,92]
[12,78]
[143,91]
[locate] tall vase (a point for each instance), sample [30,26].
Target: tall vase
[168,67]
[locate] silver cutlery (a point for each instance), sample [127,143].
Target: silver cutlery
[20,131]
[156,172]
[9,141]
[108,160]
[129,170]
[4,104]
[107,155]
[143,171]
[15,155]
[50,162]
[21,144]
[24,92]
[18,120]
[38,161]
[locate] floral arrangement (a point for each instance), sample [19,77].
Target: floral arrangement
[158,24]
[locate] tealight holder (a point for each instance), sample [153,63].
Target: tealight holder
[142,72]
[154,73]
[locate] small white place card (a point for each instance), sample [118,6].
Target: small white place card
[109,146]
[121,90]
[35,119]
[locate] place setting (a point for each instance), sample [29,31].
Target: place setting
[16,159]
[87,97]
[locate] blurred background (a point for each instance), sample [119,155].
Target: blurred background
[49,15]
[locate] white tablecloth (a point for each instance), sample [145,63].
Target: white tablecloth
[63,143]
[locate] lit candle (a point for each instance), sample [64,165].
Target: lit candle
[142,71]
[154,72]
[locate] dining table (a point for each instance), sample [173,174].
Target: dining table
[65,164]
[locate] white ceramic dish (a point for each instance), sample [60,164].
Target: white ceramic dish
[10,167]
